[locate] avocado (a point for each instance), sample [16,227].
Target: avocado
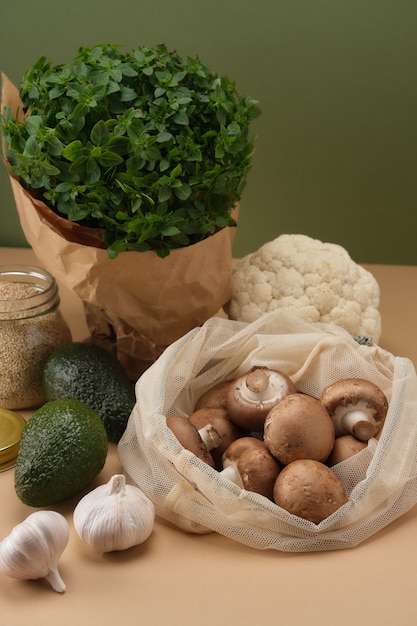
[86,372]
[62,448]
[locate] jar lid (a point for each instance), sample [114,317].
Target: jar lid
[11,427]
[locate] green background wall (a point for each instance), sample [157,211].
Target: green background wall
[336,151]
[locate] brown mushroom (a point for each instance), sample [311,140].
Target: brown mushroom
[215,426]
[252,395]
[189,437]
[215,396]
[248,463]
[357,407]
[345,447]
[299,427]
[309,489]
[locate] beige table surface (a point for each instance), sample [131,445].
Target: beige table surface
[207,580]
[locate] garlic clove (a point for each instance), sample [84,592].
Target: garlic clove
[114,516]
[33,548]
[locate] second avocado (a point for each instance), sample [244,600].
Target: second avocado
[86,372]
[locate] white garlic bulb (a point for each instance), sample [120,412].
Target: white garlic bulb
[34,546]
[114,516]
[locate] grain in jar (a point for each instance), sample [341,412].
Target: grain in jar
[31,328]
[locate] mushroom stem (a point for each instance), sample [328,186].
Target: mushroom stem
[261,387]
[360,423]
[355,419]
[252,395]
[210,436]
[230,472]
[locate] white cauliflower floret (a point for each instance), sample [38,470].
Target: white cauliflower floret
[317,281]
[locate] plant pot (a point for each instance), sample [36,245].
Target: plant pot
[137,303]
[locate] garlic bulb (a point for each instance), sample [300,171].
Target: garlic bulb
[34,546]
[114,516]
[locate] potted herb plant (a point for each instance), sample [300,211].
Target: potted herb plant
[126,162]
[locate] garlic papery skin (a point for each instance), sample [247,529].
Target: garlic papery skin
[114,516]
[33,548]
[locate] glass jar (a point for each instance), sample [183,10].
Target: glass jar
[31,328]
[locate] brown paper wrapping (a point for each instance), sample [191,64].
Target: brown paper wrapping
[137,303]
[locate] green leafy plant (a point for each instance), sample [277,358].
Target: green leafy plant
[149,147]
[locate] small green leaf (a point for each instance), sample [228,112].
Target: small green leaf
[54,145]
[115,248]
[177,171]
[164,137]
[162,252]
[181,118]
[170,231]
[99,134]
[164,194]
[32,147]
[73,150]
[179,76]
[33,123]
[49,169]
[127,70]
[80,110]
[127,94]
[221,117]
[93,171]
[164,165]
[112,87]
[233,128]
[183,192]
[110,159]
[219,152]
[184,100]
[101,78]
[119,144]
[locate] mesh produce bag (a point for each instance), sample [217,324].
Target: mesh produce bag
[381,480]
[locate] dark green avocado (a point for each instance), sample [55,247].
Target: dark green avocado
[86,372]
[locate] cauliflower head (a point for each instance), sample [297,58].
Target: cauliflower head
[316,281]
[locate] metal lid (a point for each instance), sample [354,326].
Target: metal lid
[11,427]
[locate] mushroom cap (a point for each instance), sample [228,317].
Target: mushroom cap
[188,437]
[345,447]
[356,393]
[239,446]
[225,430]
[299,427]
[309,489]
[251,396]
[215,396]
[257,468]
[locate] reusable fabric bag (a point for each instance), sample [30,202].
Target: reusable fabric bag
[381,480]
